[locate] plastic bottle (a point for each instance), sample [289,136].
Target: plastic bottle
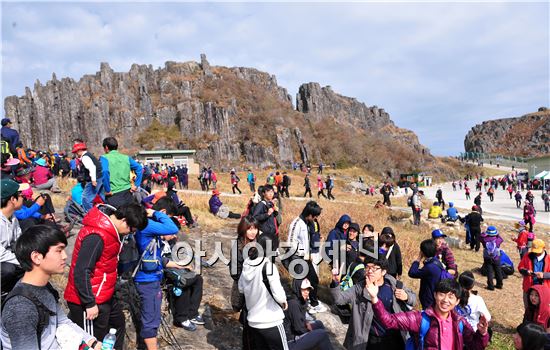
[109,340]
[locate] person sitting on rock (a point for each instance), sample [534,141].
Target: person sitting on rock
[43,177]
[300,333]
[452,213]
[435,211]
[219,209]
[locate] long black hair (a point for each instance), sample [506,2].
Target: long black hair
[466,281]
[533,336]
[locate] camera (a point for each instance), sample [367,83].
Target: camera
[44,195]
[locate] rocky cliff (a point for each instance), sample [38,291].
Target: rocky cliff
[231,116]
[526,136]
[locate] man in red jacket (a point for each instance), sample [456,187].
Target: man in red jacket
[447,331]
[92,278]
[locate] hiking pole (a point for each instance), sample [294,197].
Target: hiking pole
[172,340]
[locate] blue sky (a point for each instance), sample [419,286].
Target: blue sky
[437,68]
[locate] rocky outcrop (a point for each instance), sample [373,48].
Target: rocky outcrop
[231,116]
[526,136]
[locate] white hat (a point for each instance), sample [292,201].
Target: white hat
[306,284]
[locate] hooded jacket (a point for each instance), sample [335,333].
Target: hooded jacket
[264,310]
[410,321]
[429,275]
[357,335]
[214,203]
[295,315]
[103,277]
[336,234]
[527,263]
[540,314]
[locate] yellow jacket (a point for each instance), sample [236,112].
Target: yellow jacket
[435,212]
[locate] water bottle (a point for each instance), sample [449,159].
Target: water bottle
[109,340]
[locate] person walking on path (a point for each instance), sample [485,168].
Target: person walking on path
[235,182]
[417,206]
[307,186]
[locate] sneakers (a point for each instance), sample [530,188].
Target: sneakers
[198,320]
[187,325]
[317,309]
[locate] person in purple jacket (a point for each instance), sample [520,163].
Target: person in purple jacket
[443,252]
[491,242]
[447,331]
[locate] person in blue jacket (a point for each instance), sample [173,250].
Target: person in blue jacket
[429,274]
[452,213]
[338,233]
[149,272]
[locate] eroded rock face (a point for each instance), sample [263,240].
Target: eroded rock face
[527,136]
[231,116]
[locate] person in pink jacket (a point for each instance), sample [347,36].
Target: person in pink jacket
[447,331]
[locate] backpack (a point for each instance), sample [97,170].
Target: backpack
[347,280]
[44,313]
[129,255]
[410,201]
[5,146]
[493,251]
[444,275]
[424,328]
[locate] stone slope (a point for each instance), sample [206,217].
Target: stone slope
[231,116]
[526,136]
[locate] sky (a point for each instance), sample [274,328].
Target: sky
[438,68]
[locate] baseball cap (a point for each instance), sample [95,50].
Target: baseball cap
[306,284]
[215,192]
[537,247]
[354,226]
[6,121]
[438,233]
[10,187]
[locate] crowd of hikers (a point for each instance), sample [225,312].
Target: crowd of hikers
[122,259]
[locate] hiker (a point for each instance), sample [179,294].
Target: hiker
[467,191]
[439,196]
[247,231]
[416,205]
[546,199]
[32,317]
[435,211]
[235,182]
[7,163]
[530,336]
[219,209]
[352,243]
[285,184]
[538,306]
[300,333]
[524,240]
[10,231]
[444,328]
[385,191]
[338,233]
[91,173]
[368,233]
[477,202]
[452,213]
[510,190]
[388,246]
[264,297]
[43,178]
[529,215]
[430,274]
[473,220]
[299,244]
[93,274]
[365,330]
[266,212]
[518,199]
[117,168]
[251,179]
[148,273]
[471,305]
[491,241]
[10,135]
[535,268]
[320,187]
[278,181]
[315,244]
[491,194]
[307,186]
[443,252]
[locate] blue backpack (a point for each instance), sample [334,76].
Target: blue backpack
[424,328]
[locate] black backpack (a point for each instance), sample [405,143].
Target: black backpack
[44,313]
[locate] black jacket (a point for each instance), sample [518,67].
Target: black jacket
[395,261]
[265,221]
[295,314]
